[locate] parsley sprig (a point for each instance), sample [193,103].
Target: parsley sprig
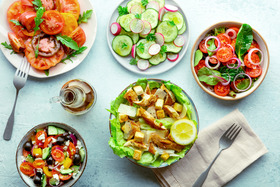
[84,18]
[37,3]
[151,37]
[124,45]
[138,16]
[122,10]
[141,47]
[144,2]
[133,61]
[163,49]
[171,23]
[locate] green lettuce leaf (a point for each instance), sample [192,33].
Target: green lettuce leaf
[206,75]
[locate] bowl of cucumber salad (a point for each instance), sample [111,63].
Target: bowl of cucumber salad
[51,154]
[148,36]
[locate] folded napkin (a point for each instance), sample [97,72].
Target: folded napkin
[246,148]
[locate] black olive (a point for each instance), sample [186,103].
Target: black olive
[60,140]
[77,159]
[37,179]
[27,146]
[39,174]
[50,161]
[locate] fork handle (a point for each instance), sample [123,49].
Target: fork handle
[199,182]
[10,124]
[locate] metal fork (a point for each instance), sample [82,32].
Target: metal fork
[19,82]
[225,142]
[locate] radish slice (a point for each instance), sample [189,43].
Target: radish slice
[136,9]
[143,64]
[159,39]
[154,5]
[133,51]
[136,25]
[154,49]
[171,8]
[116,29]
[147,28]
[179,41]
[161,12]
[172,57]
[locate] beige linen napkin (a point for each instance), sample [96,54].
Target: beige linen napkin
[246,148]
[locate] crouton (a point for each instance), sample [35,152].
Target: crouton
[139,137]
[164,156]
[159,104]
[123,118]
[137,154]
[160,114]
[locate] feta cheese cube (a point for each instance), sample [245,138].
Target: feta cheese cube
[137,154]
[138,90]
[159,104]
[139,137]
[178,107]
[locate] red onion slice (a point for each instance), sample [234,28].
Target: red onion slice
[207,62]
[250,55]
[216,38]
[74,139]
[237,77]
[234,34]
[226,83]
[233,67]
[233,51]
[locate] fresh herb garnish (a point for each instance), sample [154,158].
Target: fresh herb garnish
[38,19]
[219,30]
[124,45]
[69,42]
[138,16]
[47,72]
[16,22]
[244,40]
[84,18]
[37,50]
[133,61]
[37,3]
[163,49]
[151,37]
[212,46]
[225,71]
[198,57]
[144,2]
[8,46]
[171,23]
[141,47]
[122,10]
[73,54]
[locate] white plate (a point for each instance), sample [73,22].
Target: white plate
[15,59]
[162,67]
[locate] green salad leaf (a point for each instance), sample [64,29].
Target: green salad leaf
[225,71]
[37,3]
[212,46]
[47,72]
[122,10]
[69,42]
[74,54]
[38,19]
[16,22]
[198,56]
[244,40]
[219,30]
[8,46]
[205,74]
[84,18]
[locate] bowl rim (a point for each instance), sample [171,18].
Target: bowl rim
[196,113]
[192,64]
[46,124]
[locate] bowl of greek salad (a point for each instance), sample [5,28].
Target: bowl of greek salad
[148,36]
[153,123]
[230,60]
[51,154]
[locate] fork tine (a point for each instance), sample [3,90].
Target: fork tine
[18,69]
[228,129]
[236,133]
[232,131]
[25,70]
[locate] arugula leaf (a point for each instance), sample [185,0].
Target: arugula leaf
[225,71]
[206,75]
[163,49]
[171,23]
[138,16]
[141,47]
[211,47]
[69,42]
[86,15]
[122,10]
[198,57]
[244,40]
[124,45]
[38,19]
[37,51]
[219,30]
[133,61]
[16,22]
[144,2]
[79,51]
[8,46]
[37,3]
[151,37]
[47,72]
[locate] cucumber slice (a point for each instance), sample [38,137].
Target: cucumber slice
[151,16]
[177,17]
[168,30]
[53,181]
[170,47]
[133,3]
[75,169]
[82,153]
[66,171]
[60,131]
[144,45]
[160,2]
[122,45]
[46,153]
[144,36]
[43,181]
[133,36]
[118,19]
[125,21]
[52,130]
[183,29]
[157,59]
[29,158]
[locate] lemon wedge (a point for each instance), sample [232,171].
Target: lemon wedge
[183,131]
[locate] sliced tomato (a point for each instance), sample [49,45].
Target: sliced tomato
[48,141]
[27,3]
[13,13]
[25,153]
[79,36]
[202,47]
[53,22]
[221,90]
[27,20]
[254,57]
[48,4]
[200,65]
[254,45]
[213,60]
[65,177]
[38,134]
[254,73]
[70,24]
[224,39]
[72,149]
[69,6]
[16,42]
[39,163]
[230,61]
[27,168]
[57,155]
[224,54]
[233,42]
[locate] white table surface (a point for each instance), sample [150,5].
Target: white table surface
[262,108]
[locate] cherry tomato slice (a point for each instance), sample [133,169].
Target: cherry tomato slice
[79,36]
[202,47]
[200,65]
[65,177]
[53,22]
[254,45]
[72,149]
[39,164]
[224,54]
[221,90]
[40,134]
[233,42]
[69,6]
[224,39]
[57,155]
[25,153]
[48,141]
[213,60]
[27,168]
[254,73]
[254,57]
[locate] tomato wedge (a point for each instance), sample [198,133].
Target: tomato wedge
[25,153]
[221,90]
[53,22]
[224,39]
[57,155]
[79,36]
[69,6]
[27,20]
[254,57]
[202,47]
[65,177]
[40,134]
[27,168]
[254,73]
[224,54]
[39,163]
[200,65]
[71,149]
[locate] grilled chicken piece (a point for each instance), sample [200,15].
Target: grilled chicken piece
[171,111]
[129,129]
[152,148]
[135,145]
[16,42]
[131,96]
[148,90]
[149,119]
[147,100]
[165,144]
[170,97]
